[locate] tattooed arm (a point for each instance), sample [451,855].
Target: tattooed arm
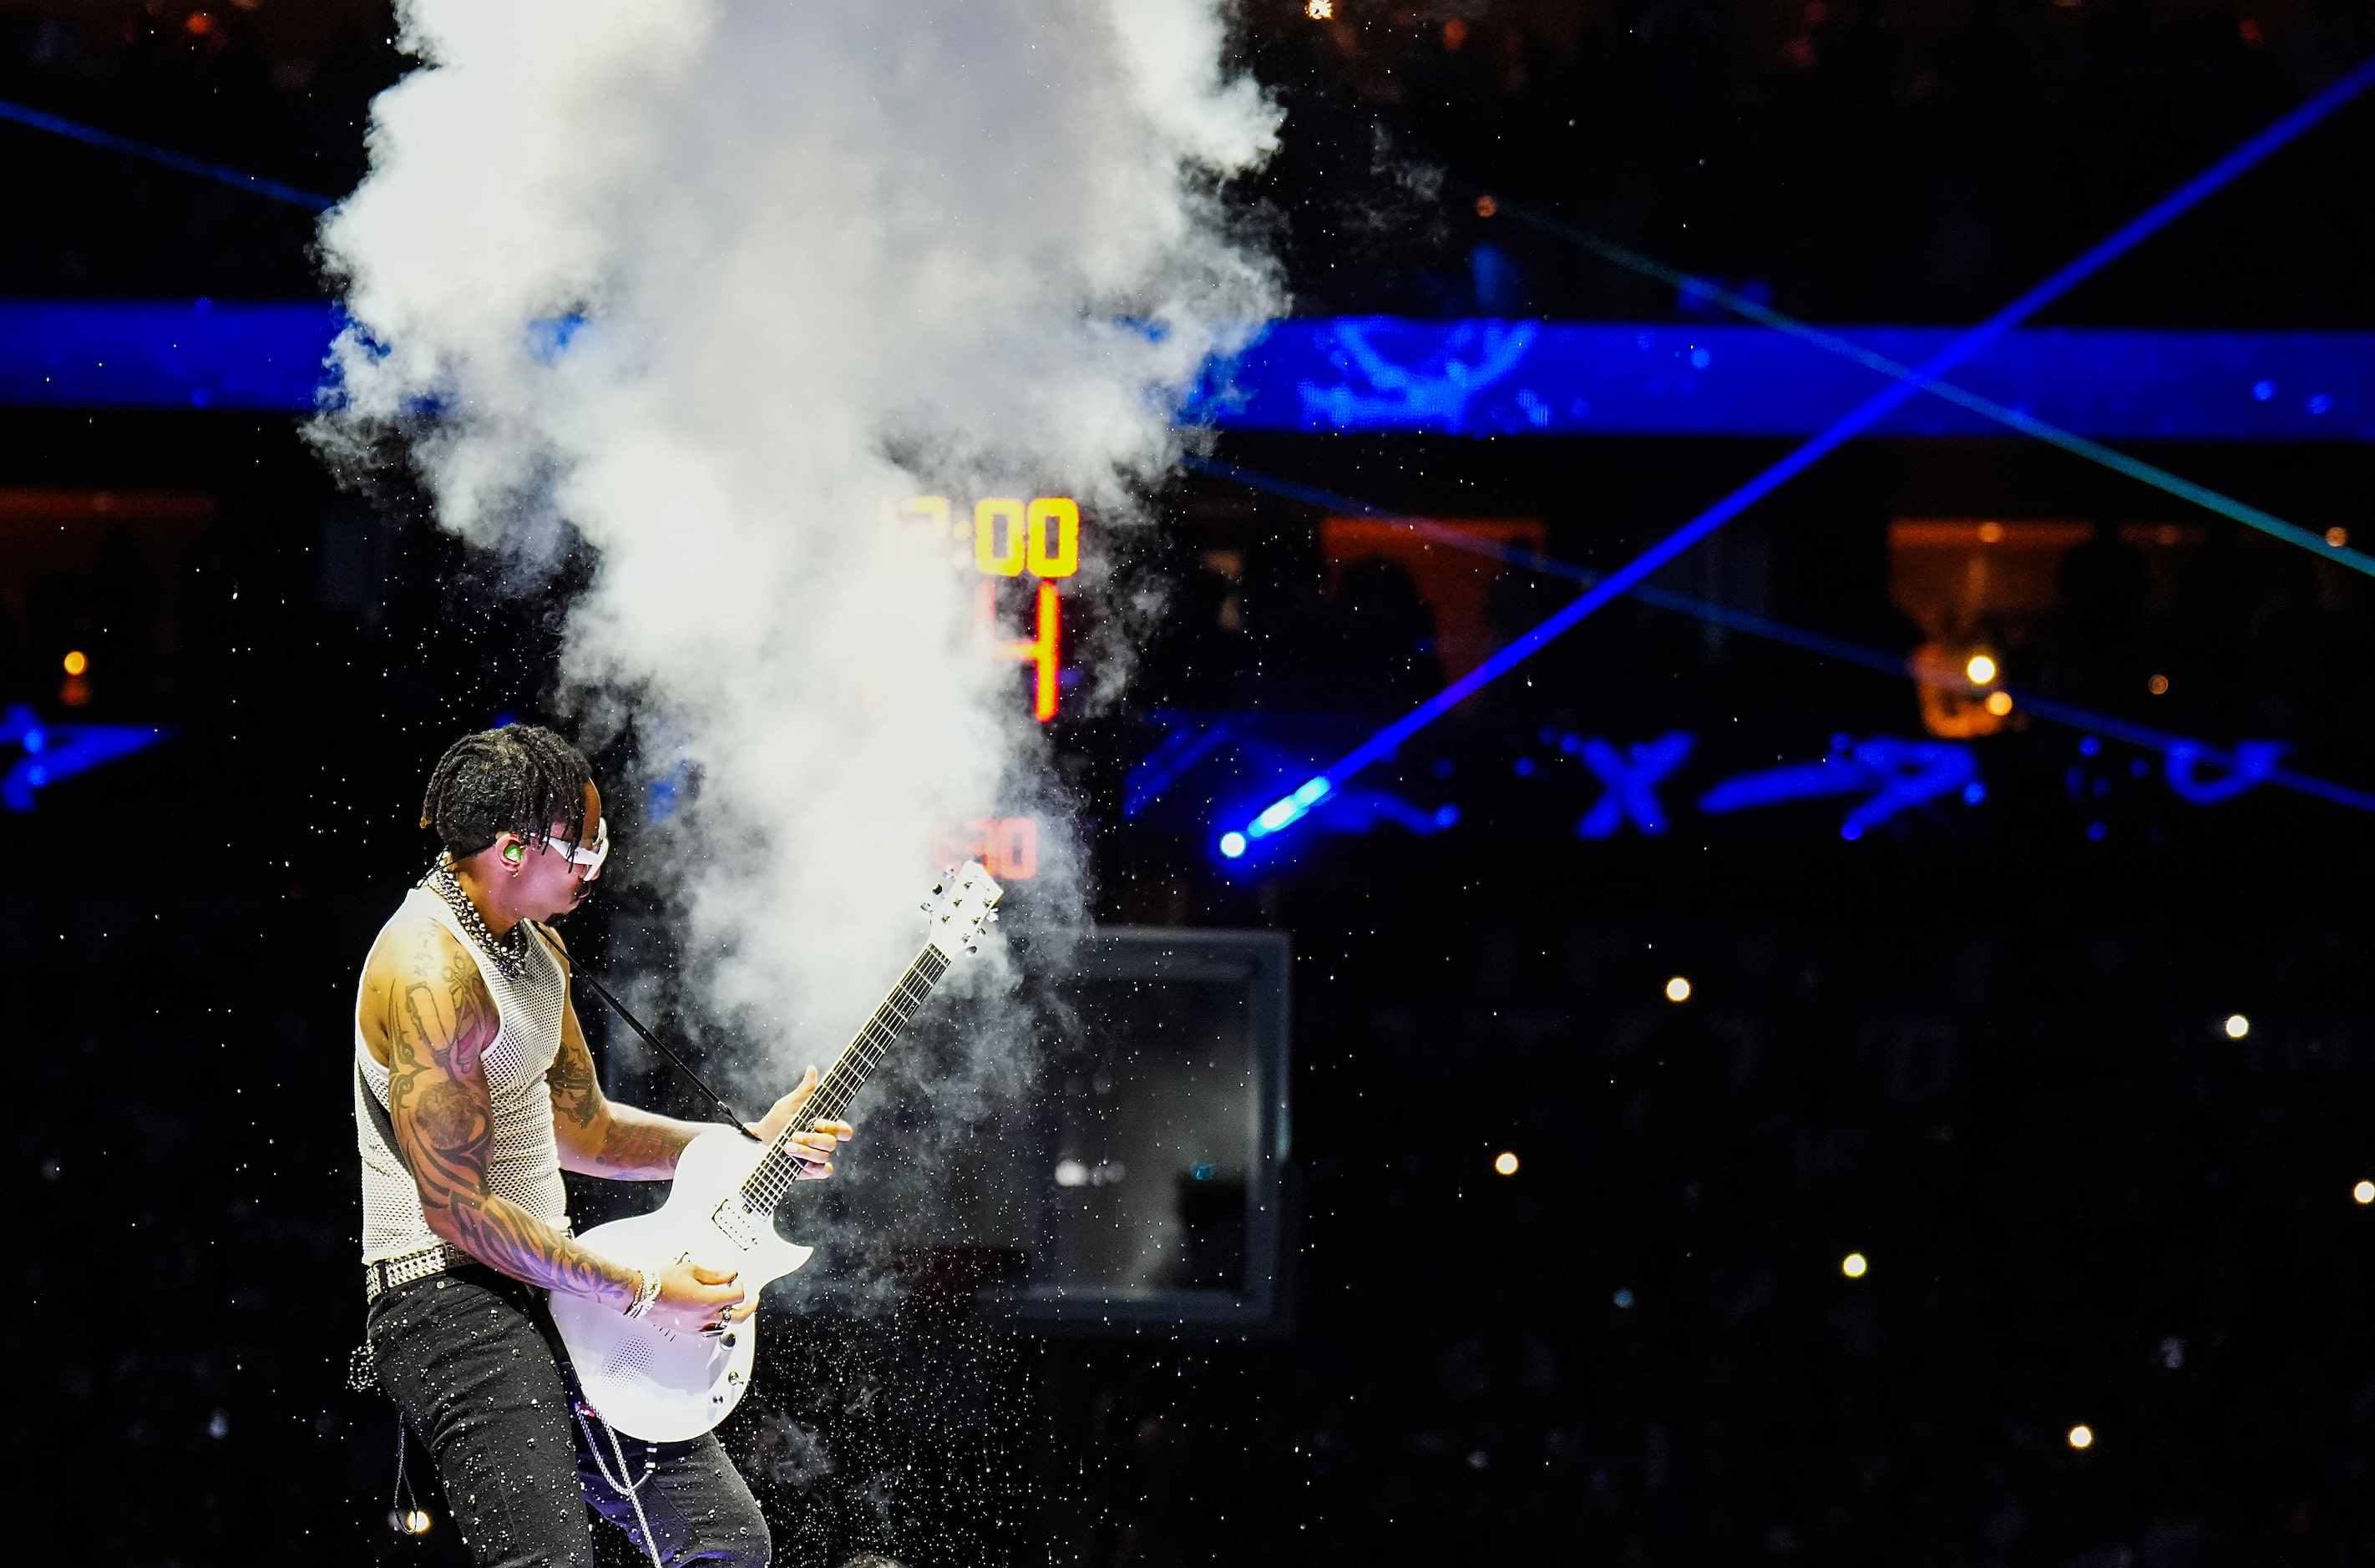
[601,1138]
[430,1013]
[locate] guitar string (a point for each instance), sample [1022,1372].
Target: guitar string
[776,1171]
[851,1068]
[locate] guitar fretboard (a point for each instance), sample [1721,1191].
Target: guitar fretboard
[779,1168]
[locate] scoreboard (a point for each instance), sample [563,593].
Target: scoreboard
[1012,537]
[1000,539]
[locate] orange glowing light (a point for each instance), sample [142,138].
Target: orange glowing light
[77,662]
[2157,686]
[1505,1164]
[1038,651]
[1486,206]
[1319,10]
[1455,33]
[2000,703]
[2337,538]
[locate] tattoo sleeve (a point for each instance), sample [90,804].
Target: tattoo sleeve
[599,1137]
[438,1020]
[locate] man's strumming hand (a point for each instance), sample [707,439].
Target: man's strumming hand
[695,1300]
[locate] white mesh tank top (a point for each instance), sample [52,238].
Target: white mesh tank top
[524,1159]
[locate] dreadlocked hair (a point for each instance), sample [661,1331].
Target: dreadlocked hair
[520,779]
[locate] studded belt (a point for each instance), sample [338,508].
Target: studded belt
[388,1273]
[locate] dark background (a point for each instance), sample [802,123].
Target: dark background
[1982,1048]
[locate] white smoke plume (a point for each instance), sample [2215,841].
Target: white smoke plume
[708,282]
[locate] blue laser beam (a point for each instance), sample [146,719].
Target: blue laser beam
[2014,419]
[222,173]
[1287,809]
[2242,758]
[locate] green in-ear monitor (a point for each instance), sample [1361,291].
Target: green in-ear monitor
[512,855]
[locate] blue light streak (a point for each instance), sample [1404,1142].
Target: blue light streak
[2014,419]
[1840,431]
[222,173]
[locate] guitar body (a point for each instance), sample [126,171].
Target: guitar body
[663,1386]
[655,1382]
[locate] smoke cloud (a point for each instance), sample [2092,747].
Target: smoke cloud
[706,283]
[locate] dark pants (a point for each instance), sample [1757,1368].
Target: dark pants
[471,1360]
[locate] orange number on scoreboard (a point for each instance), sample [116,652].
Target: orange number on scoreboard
[1010,846]
[1039,651]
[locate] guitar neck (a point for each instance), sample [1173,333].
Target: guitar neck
[778,1168]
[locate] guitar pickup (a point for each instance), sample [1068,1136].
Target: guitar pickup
[738,1224]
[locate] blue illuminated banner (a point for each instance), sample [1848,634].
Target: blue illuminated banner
[1619,786]
[1384,374]
[153,354]
[1394,376]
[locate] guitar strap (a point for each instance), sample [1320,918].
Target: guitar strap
[733,1119]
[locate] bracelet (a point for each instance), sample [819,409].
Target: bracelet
[645,1297]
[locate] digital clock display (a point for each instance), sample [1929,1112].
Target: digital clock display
[1012,537]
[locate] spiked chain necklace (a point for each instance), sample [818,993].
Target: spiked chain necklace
[509,952]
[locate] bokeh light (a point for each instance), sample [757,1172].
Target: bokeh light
[2238,1026]
[2081,1437]
[1981,669]
[1505,1162]
[1678,989]
[1854,1266]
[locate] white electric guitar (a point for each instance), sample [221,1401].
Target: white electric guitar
[666,1386]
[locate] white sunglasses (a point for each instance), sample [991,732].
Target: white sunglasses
[587,858]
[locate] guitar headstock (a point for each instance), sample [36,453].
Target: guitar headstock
[962,902]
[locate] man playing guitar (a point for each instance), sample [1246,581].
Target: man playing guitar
[469,1051]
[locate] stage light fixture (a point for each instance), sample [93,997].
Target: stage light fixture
[1232,845]
[1505,1164]
[76,662]
[1999,703]
[1854,1266]
[416,1521]
[2338,537]
[1623,1299]
[1319,10]
[1678,989]
[2238,1026]
[1981,669]
[2081,1437]
[2157,686]
[2363,1194]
